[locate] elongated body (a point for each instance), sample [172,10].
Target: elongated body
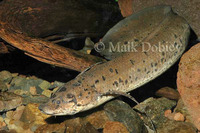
[125,72]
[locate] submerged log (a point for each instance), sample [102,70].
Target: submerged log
[22,22]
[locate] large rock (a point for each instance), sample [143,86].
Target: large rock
[122,112]
[188,82]
[189,9]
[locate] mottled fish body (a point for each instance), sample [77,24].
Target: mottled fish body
[126,72]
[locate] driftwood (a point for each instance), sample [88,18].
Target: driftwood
[22,22]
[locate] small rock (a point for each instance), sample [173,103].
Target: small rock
[179,117]
[2,123]
[9,101]
[114,127]
[31,114]
[180,107]
[47,93]
[89,45]
[3,86]
[15,115]
[119,111]
[174,116]
[98,119]
[169,93]
[5,76]
[33,117]
[33,90]
[44,85]
[15,75]
[167,112]
[39,90]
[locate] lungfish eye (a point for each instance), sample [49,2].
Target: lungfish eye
[58,101]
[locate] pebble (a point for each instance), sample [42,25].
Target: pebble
[180,107]
[47,93]
[179,117]
[174,116]
[169,93]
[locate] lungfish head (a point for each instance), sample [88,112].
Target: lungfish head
[69,101]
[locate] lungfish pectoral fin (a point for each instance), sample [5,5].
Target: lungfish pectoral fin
[120,93]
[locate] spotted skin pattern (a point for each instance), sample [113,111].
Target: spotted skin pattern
[124,73]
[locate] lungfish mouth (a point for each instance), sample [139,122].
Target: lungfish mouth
[44,109]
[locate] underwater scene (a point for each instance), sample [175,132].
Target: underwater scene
[99,66]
